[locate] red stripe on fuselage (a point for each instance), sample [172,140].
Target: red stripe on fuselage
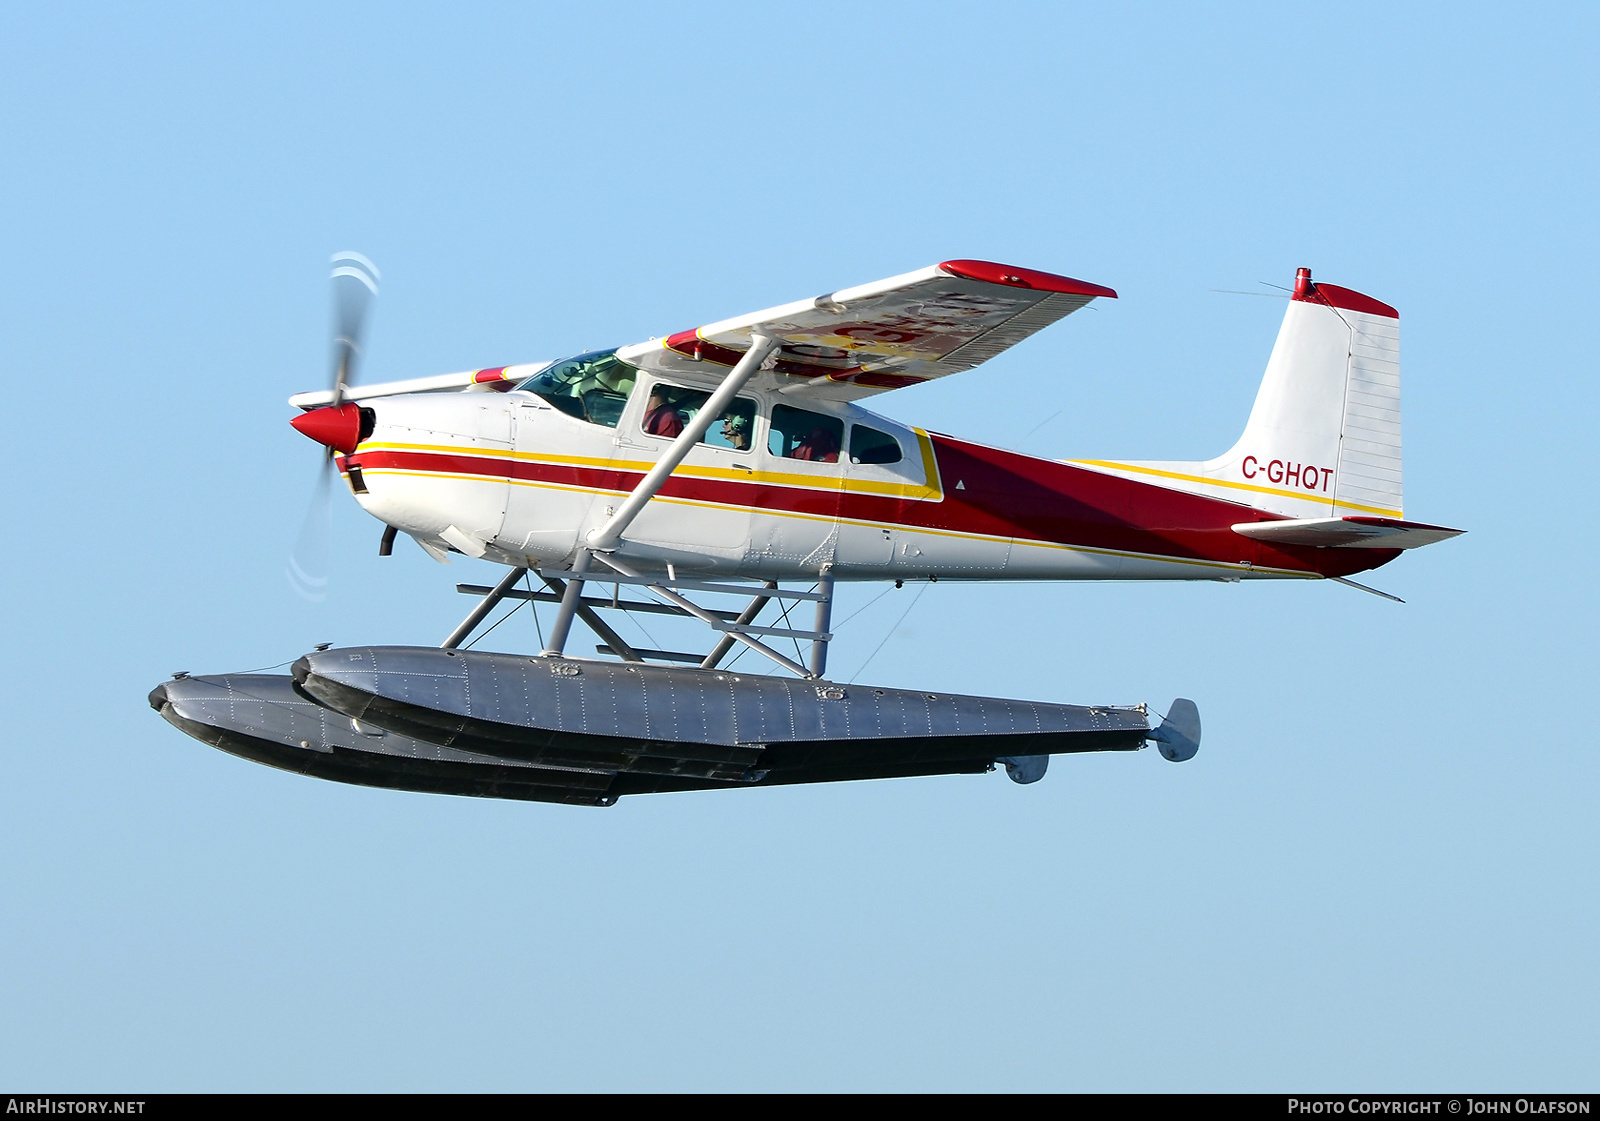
[987,492]
[1030,499]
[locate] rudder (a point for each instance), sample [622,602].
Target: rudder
[1323,438]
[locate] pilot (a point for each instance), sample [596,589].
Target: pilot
[661,416]
[736,430]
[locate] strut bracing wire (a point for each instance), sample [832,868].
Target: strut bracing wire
[862,668]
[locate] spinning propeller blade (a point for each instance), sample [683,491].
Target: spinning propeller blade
[308,564]
[355,283]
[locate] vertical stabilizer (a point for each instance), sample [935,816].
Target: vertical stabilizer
[1323,439]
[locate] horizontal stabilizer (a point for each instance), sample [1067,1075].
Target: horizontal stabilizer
[1347,533]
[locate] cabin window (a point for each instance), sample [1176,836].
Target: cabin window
[802,434]
[592,387]
[670,409]
[868,445]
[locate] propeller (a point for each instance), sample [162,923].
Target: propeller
[355,284]
[308,564]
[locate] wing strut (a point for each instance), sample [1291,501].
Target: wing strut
[762,353]
[762,349]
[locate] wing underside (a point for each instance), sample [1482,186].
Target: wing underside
[892,333]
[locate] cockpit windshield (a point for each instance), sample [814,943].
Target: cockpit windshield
[592,387]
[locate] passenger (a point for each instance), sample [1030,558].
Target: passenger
[661,416]
[736,430]
[822,446]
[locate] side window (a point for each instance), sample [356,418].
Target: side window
[670,408]
[868,445]
[591,387]
[801,434]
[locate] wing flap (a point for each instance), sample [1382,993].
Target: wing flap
[1347,533]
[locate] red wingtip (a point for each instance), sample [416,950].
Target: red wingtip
[992,273]
[337,428]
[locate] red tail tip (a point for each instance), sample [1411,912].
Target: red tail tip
[1302,283]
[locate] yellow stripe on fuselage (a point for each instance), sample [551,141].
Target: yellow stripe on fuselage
[1113,465]
[930,491]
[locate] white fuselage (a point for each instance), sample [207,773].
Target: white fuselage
[509,477]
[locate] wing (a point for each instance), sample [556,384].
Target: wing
[493,378]
[907,329]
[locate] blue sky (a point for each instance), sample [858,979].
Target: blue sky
[1378,873]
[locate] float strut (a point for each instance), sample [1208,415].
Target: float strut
[819,646]
[485,605]
[569,605]
[596,624]
[746,617]
[704,616]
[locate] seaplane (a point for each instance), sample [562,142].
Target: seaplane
[731,474]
